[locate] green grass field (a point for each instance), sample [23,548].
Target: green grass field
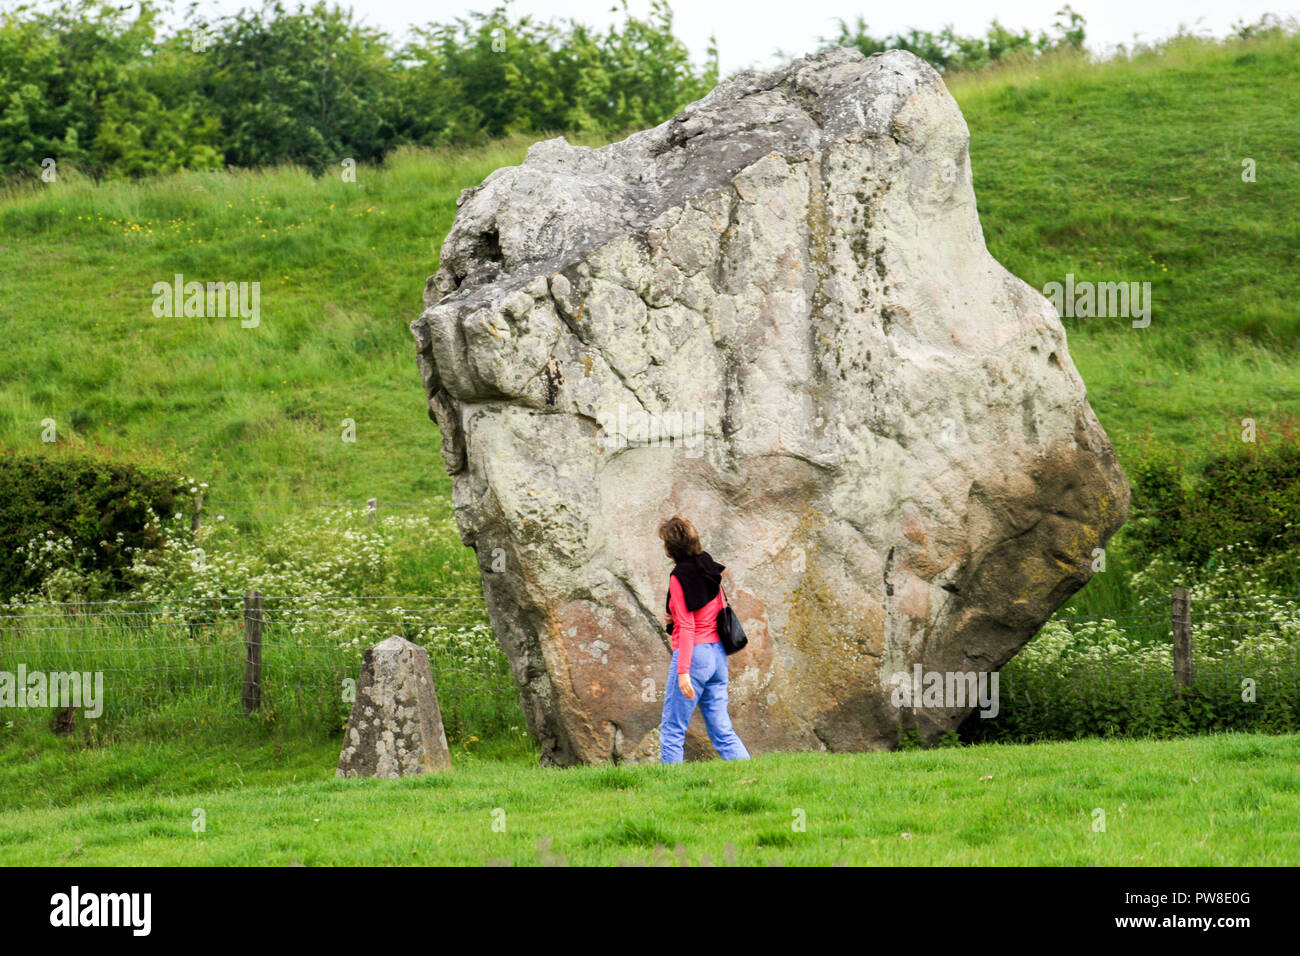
[1127,171]
[1231,800]
[1132,172]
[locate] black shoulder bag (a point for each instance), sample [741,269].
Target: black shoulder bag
[730,632]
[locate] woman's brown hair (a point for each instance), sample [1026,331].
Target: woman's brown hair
[680,538]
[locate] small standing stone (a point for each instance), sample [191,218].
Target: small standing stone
[396,726]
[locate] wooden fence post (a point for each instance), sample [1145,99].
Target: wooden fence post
[197,521]
[252,696]
[1181,619]
[372,506]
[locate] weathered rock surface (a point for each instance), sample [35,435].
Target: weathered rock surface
[396,726]
[874,425]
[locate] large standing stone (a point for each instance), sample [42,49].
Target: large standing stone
[874,425]
[396,726]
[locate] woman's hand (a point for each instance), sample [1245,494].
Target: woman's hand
[685,686]
[668,620]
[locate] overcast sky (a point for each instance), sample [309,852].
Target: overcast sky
[750,31]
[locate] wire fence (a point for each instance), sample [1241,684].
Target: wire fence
[187,657]
[1204,664]
[1207,663]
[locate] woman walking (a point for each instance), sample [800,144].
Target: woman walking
[697,672]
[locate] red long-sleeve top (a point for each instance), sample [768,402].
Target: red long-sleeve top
[691,627]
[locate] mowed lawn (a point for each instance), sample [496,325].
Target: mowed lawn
[1227,800]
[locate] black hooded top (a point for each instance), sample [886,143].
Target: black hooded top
[701,579]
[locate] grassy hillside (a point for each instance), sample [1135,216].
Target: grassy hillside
[256,412]
[1228,800]
[1132,171]
[1128,171]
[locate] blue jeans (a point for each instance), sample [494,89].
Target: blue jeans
[709,678]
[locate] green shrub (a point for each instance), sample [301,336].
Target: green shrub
[1245,498]
[1249,497]
[105,89]
[310,86]
[949,52]
[79,516]
[1113,676]
[1157,502]
[138,135]
[58,67]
